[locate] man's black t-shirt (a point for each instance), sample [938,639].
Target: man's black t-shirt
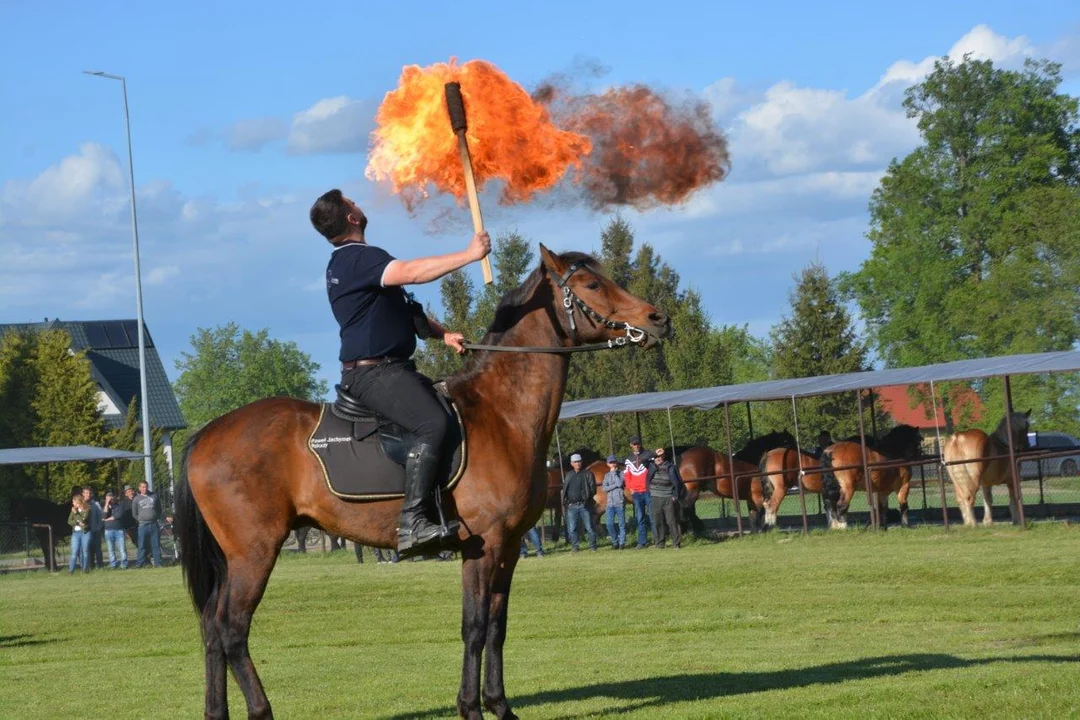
[374,320]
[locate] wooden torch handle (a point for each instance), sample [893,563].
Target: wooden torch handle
[456,108]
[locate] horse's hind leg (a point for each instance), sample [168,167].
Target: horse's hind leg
[217,706]
[494,691]
[988,504]
[241,594]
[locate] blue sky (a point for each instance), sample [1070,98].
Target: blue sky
[242,113]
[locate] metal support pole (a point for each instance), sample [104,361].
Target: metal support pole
[1012,453]
[144,416]
[873,416]
[671,436]
[610,438]
[941,457]
[871,496]
[637,421]
[750,420]
[731,470]
[802,473]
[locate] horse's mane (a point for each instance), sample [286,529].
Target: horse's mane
[514,305]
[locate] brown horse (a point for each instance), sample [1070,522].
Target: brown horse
[702,468]
[250,478]
[903,442]
[974,445]
[780,470]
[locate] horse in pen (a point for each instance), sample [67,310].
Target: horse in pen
[250,477]
[982,461]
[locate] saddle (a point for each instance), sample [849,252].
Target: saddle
[362,454]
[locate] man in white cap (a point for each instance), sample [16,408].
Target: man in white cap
[578,490]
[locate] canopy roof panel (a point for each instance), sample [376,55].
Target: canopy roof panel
[69,453]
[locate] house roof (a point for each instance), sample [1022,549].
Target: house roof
[112,347]
[895,401]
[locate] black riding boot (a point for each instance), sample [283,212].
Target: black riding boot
[415,529]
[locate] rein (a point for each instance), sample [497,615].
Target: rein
[633,334]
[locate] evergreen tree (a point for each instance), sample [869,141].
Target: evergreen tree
[18,379]
[819,338]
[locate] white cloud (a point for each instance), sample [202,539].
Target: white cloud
[66,190]
[254,134]
[332,125]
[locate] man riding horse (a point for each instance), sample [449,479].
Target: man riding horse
[379,325]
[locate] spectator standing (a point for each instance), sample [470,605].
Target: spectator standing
[638,466]
[578,490]
[146,508]
[97,527]
[534,537]
[613,487]
[666,488]
[79,520]
[130,526]
[113,515]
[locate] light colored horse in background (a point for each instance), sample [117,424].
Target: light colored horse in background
[974,445]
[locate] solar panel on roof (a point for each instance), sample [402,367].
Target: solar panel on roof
[95,335]
[132,329]
[117,337]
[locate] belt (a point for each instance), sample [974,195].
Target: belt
[350,364]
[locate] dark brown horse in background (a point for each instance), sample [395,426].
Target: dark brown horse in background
[780,470]
[249,478]
[44,512]
[703,468]
[903,442]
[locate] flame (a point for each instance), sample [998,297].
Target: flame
[647,151]
[511,137]
[626,146]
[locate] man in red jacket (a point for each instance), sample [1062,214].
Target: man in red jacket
[639,469]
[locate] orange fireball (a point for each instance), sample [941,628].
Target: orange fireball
[511,137]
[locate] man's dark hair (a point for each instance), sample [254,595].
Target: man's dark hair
[328,215]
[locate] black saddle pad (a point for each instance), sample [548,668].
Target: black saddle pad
[364,458]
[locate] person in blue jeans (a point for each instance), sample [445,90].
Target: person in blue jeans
[639,470]
[613,488]
[79,520]
[113,513]
[578,491]
[534,537]
[147,509]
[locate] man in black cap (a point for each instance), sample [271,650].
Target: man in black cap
[578,490]
[638,469]
[113,513]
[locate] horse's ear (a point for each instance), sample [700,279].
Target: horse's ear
[551,261]
[1028,413]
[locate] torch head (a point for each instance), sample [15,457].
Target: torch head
[455,106]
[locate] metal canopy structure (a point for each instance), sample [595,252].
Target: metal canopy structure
[68,453]
[709,398]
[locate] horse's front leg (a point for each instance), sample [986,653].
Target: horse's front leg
[494,690]
[476,575]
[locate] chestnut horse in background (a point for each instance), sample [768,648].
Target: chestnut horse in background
[249,478]
[903,442]
[780,470]
[974,445]
[703,468]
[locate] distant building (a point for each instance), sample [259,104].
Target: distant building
[896,403]
[112,347]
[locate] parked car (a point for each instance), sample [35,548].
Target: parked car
[1065,466]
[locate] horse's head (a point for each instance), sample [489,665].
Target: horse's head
[903,441]
[594,308]
[1021,423]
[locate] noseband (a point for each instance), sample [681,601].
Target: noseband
[570,300]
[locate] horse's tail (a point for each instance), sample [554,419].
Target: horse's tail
[200,555]
[830,486]
[766,480]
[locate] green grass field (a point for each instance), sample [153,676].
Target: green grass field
[904,623]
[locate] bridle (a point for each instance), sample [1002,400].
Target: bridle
[570,301]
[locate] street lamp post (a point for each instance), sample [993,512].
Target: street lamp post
[148,466]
